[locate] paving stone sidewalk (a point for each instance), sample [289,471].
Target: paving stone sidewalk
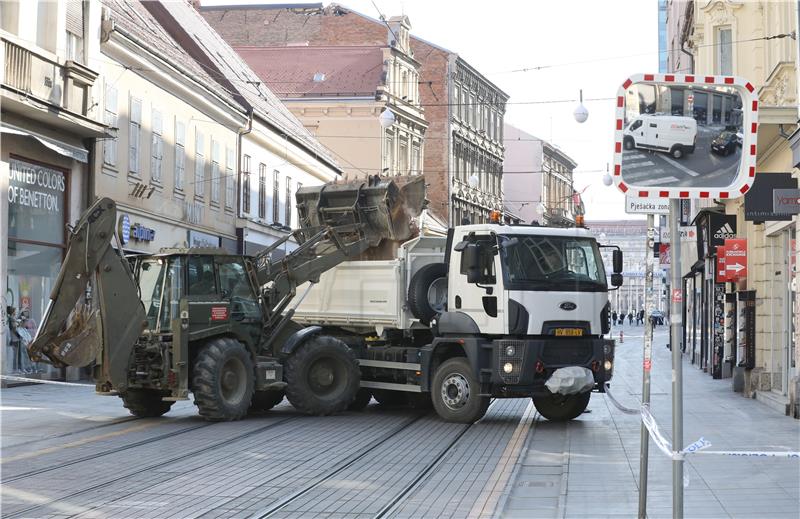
[590,467]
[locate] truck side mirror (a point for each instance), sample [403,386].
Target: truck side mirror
[617,260]
[616,280]
[471,262]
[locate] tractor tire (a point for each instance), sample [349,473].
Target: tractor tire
[388,398]
[265,400]
[427,292]
[363,398]
[456,392]
[145,403]
[223,380]
[322,376]
[560,408]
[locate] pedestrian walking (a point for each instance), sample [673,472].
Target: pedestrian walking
[640,318]
[614,317]
[630,318]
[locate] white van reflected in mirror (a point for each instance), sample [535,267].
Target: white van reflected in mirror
[680,136]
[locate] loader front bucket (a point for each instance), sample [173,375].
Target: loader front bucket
[77,332]
[385,208]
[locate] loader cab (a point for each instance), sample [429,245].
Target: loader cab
[217,288]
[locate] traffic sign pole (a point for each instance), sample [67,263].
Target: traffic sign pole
[675,324]
[649,305]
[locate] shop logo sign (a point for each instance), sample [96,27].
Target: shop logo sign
[141,233]
[124,229]
[725,232]
[786,201]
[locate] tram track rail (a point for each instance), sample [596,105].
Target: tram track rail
[106,452]
[94,427]
[25,512]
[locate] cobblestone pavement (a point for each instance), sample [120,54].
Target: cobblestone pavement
[69,453]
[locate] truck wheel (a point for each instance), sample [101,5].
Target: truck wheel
[559,408]
[322,376]
[390,398]
[629,144]
[144,403]
[265,400]
[676,151]
[363,398]
[222,380]
[427,292]
[456,392]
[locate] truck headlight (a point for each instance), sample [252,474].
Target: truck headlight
[607,365]
[508,367]
[510,351]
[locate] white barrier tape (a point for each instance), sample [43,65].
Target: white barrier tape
[698,447]
[40,381]
[626,410]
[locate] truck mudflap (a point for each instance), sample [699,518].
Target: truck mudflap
[72,331]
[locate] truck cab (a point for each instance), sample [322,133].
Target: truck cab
[523,302]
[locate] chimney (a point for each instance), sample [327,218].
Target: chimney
[399,26]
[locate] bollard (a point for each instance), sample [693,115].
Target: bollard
[621,339]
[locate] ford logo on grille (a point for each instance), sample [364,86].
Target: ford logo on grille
[568,306]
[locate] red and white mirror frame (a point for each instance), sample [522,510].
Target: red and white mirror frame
[747,170]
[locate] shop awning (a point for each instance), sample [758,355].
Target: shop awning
[78,153]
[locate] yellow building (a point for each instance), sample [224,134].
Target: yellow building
[752,40]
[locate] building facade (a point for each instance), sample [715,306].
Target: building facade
[463,150]
[538,179]
[739,38]
[50,122]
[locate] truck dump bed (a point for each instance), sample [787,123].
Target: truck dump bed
[366,296]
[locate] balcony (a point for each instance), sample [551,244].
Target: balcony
[36,85]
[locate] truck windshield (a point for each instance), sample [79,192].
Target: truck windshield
[555,263]
[160,281]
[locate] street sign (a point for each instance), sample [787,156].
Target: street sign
[736,259]
[722,275]
[677,295]
[646,205]
[684,150]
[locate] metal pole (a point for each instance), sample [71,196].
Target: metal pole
[676,316]
[649,304]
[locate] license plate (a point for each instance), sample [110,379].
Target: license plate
[569,332]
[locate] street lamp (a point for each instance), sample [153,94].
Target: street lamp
[474,181]
[581,114]
[387,118]
[607,180]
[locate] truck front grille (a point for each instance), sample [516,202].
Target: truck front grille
[502,358]
[567,353]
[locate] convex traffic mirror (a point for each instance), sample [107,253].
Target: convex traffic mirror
[680,136]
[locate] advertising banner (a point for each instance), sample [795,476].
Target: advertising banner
[736,259]
[722,275]
[759,202]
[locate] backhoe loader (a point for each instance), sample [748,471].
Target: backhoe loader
[155,328]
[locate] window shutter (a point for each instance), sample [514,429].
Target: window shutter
[75,17]
[157,124]
[136,110]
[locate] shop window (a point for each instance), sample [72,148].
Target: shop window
[156,147]
[36,217]
[215,158]
[180,154]
[75,31]
[110,119]
[724,51]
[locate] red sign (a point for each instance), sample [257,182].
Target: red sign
[663,254]
[219,313]
[722,274]
[736,258]
[677,295]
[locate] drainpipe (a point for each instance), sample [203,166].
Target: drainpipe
[244,130]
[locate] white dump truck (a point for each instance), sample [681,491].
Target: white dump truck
[490,311]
